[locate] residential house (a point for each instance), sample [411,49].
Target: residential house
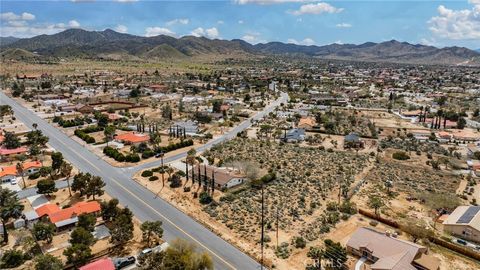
[294,135]
[9,173]
[66,217]
[224,177]
[190,127]
[4,152]
[353,140]
[101,264]
[132,138]
[464,222]
[386,252]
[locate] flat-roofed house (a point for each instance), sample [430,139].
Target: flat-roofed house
[464,222]
[389,253]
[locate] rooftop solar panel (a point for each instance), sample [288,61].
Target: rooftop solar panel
[469,214]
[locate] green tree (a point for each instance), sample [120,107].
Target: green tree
[81,236]
[36,137]
[80,183]
[48,262]
[66,171]
[57,160]
[150,228]
[335,253]
[122,230]
[78,254]
[109,132]
[43,231]
[461,123]
[12,258]
[94,187]
[183,255]
[152,261]
[375,202]
[87,221]
[10,141]
[46,186]
[109,210]
[10,208]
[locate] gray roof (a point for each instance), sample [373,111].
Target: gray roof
[352,137]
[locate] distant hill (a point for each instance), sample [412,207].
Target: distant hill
[114,45]
[18,54]
[7,40]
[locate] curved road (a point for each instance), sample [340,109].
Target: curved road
[142,202]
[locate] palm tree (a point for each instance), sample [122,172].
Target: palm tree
[21,172]
[10,207]
[35,126]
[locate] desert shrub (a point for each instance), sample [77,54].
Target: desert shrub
[153,178]
[299,242]
[84,136]
[400,155]
[205,198]
[147,173]
[373,223]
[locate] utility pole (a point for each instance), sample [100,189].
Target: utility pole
[262,235]
[163,169]
[277,225]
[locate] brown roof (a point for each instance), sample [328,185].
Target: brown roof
[392,253]
[222,175]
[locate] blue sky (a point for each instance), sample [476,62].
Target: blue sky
[439,23]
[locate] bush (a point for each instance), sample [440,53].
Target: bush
[373,223]
[400,155]
[12,258]
[84,136]
[299,242]
[34,176]
[147,154]
[153,178]
[114,153]
[132,158]
[147,173]
[205,198]
[174,146]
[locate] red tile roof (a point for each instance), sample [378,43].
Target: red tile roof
[132,137]
[56,214]
[12,170]
[47,209]
[102,264]
[76,210]
[5,151]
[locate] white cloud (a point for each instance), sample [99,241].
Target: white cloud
[126,1]
[268,2]
[240,22]
[121,28]
[73,24]
[210,32]
[317,8]
[343,25]
[427,42]
[306,41]
[457,24]
[253,38]
[10,16]
[178,21]
[220,22]
[155,31]
[339,42]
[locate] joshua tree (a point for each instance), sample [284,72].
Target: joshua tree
[10,207]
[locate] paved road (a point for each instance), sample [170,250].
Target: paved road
[142,202]
[231,134]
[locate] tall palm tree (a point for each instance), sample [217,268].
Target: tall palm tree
[10,207]
[21,172]
[66,170]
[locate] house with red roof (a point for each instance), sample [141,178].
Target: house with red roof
[4,152]
[101,264]
[10,172]
[132,138]
[63,218]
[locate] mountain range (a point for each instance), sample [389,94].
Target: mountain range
[113,45]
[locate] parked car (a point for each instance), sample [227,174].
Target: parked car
[123,262]
[144,252]
[462,242]
[13,181]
